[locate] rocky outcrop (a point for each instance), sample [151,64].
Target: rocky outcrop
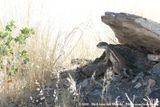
[134,30]
[139,46]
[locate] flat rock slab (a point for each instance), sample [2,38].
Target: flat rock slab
[134,30]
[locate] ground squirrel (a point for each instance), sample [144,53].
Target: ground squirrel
[118,62]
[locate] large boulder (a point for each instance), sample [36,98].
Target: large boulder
[134,30]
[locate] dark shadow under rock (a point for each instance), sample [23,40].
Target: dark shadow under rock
[136,60]
[117,86]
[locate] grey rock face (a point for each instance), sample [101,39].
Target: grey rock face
[156,70]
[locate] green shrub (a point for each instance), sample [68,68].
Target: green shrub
[12,48]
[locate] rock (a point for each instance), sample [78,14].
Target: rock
[134,30]
[151,84]
[94,96]
[138,85]
[153,57]
[90,90]
[92,68]
[155,69]
[155,94]
[139,76]
[85,83]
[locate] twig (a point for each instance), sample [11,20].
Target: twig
[131,103]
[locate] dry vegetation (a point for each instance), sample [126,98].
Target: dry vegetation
[46,58]
[48,52]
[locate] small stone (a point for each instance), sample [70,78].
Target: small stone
[37,83]
[150,85]
[37,101]
[84,83]
[38,89]
[41,93]
[31,98]
[42,98]
[156,69]
[139,76]
[153,57]
[116,78]
[138,85]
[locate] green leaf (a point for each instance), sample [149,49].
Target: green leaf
[27,31]
[26,60]
[13,48]
[10,26]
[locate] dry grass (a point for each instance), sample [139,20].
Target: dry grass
[46,56]
[48,50]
